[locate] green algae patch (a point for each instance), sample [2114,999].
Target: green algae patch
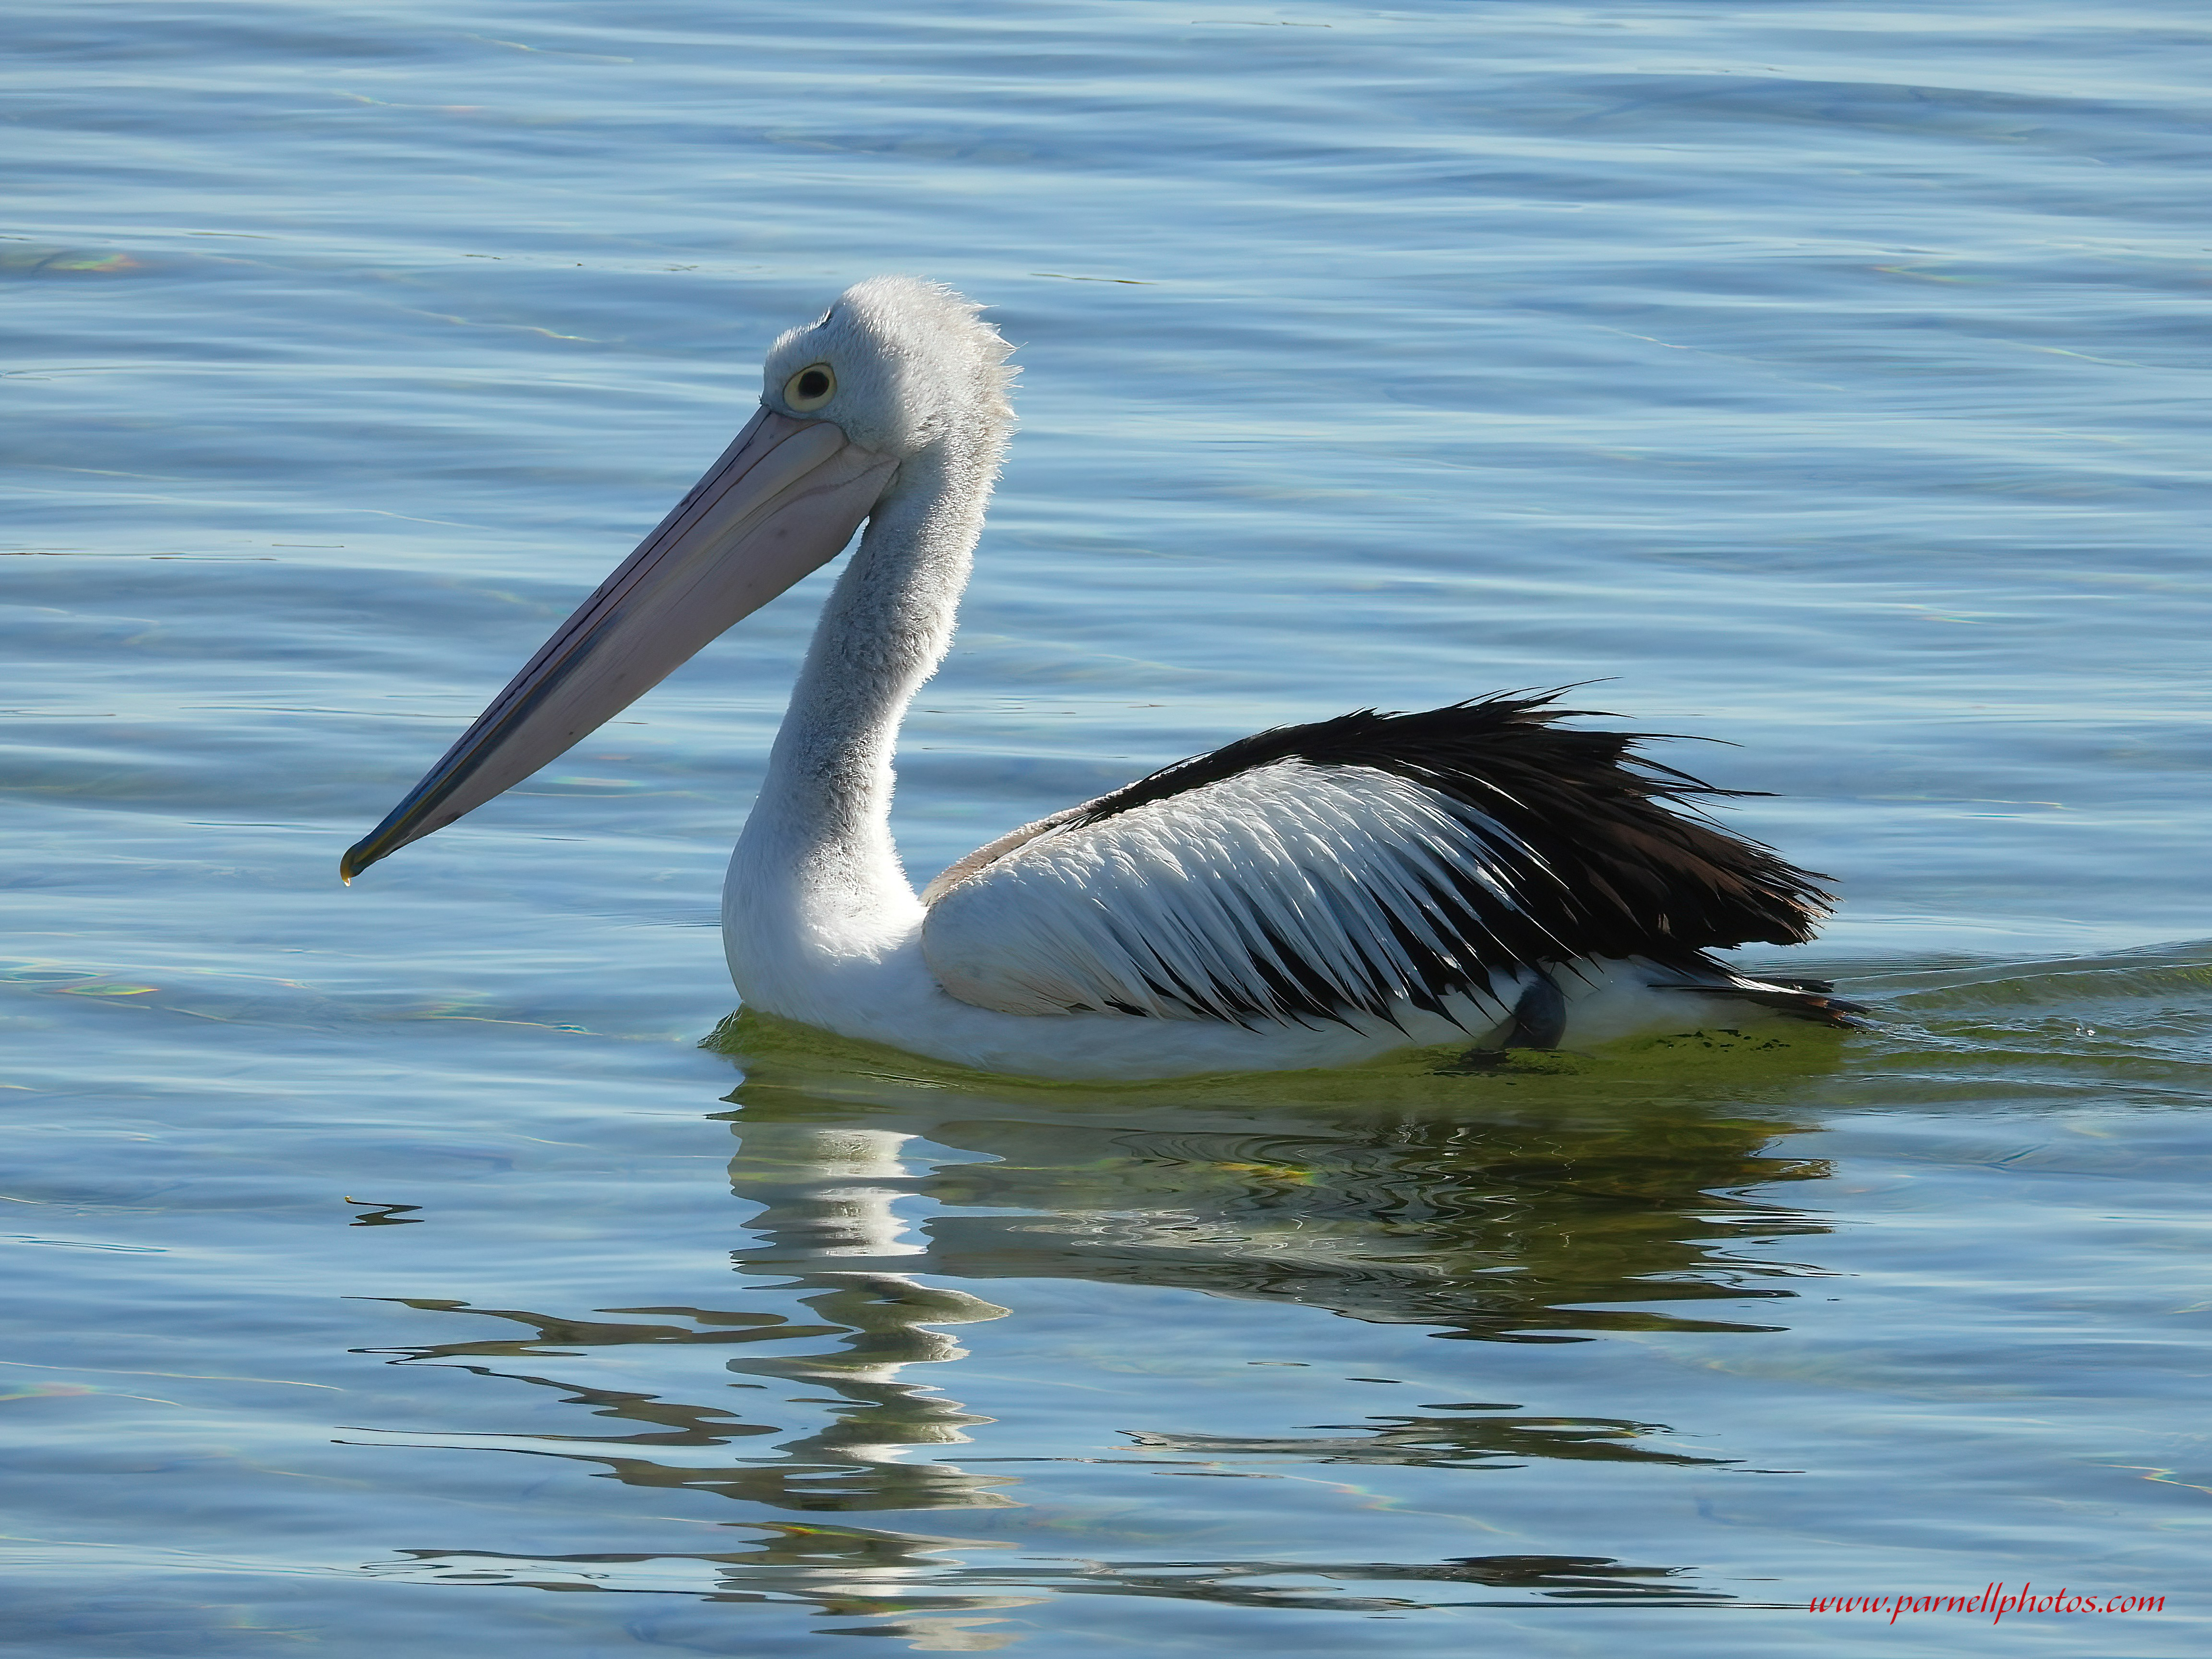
[775,1051]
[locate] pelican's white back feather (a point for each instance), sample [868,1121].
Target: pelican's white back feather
[1252,898]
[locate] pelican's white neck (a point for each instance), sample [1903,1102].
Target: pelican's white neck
[815,878]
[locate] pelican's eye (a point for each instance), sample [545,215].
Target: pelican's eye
[811,387]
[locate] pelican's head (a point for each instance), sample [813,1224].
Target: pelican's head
[900,375]
[897,365]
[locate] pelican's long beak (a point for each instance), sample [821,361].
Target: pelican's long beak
[784,498]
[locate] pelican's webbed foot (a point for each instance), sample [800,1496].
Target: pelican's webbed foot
[1539,1021]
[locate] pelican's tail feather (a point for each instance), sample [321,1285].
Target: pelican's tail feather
[1800,998]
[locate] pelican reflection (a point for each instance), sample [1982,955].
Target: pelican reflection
[1490,1209]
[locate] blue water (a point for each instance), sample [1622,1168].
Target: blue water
[1823,381]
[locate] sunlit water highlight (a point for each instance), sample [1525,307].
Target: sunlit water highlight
[386,1260]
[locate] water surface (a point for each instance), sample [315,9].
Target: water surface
[394,1264]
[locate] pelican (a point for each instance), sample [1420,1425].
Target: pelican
[1316,896]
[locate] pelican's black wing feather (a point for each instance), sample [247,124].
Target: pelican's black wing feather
[1638,874]
[1280,877]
